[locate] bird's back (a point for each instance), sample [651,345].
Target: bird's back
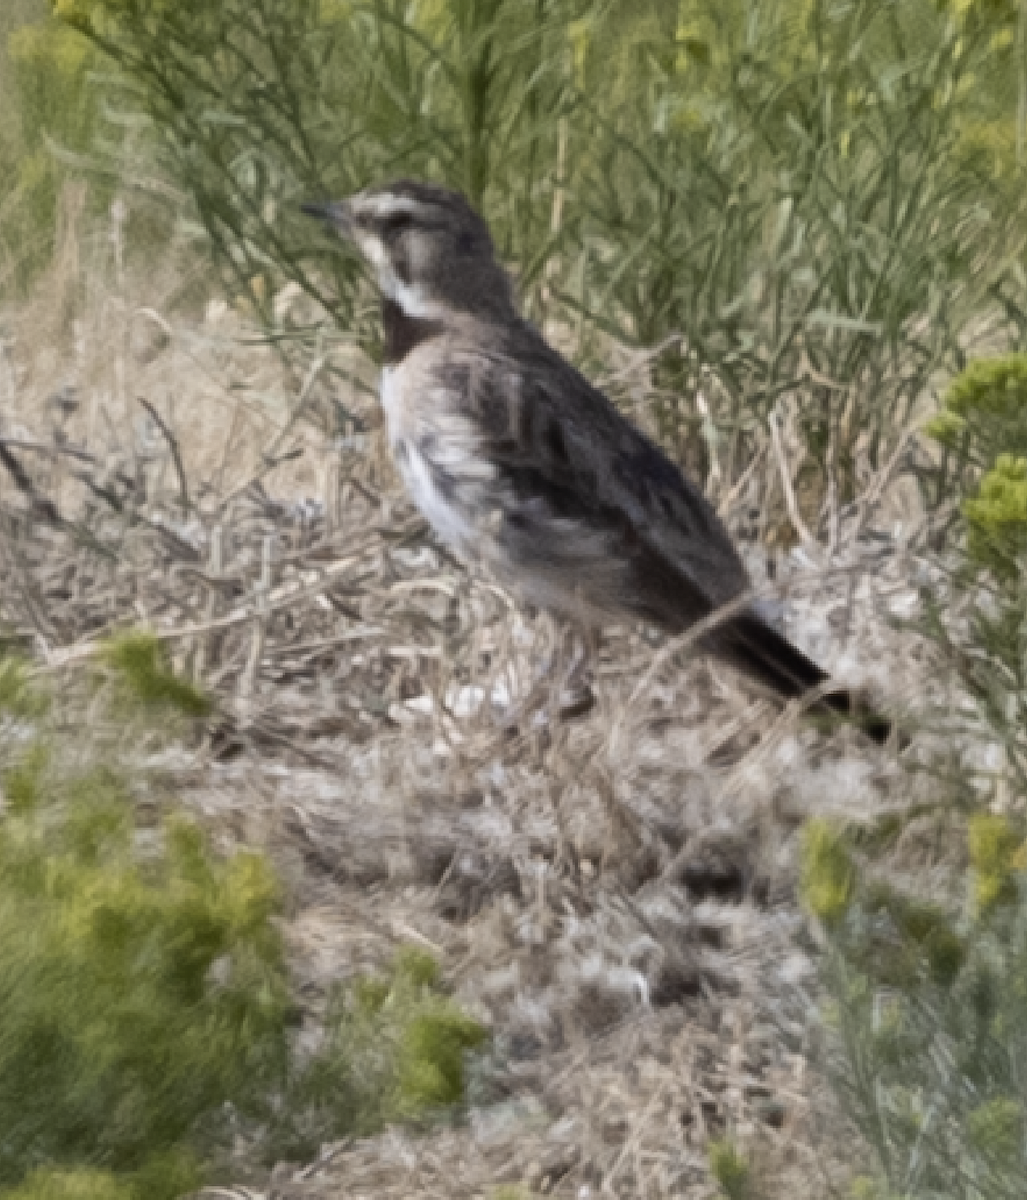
[518,461]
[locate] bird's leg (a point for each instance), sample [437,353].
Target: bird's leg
[571,666]
[577,696]
[562,688]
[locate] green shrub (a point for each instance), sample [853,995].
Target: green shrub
[997,853]
[997,518]
[984,412]
[140,991]
[983,428]
[828,875]
[730,1169]
[394,1048]
[753,205]
[83,1184]
[927,1000]
[146,1022]
[141,663]
[928,1023]
[50,106]
[18,696]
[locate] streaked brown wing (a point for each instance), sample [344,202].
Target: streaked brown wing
[577,469]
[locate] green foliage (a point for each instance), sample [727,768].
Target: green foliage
[51,62]
[865,1188]
[997,1127]
[930,1028]
[983,425]
[49,106]
[434,1036]
[997,853]
[911,936]
[997,518]
[82,1184]
[394,1048]
[140,991]
[828,873]
[19,697]
[24,780]
[759,214]
[929,1005]
[145,1017]
[983,428]
[432,1058]
[984,412]
[730,1169]
[928,929]
[141,662]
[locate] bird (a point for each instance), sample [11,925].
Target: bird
[526,470]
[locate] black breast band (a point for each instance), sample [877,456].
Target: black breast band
[403,332]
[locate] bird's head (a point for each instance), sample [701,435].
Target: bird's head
[431,253]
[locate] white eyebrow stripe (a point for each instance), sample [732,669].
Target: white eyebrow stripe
[387,205]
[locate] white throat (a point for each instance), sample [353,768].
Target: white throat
[412,298]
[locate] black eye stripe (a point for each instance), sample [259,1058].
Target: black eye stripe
[395,223]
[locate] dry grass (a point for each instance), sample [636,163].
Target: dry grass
[615,896]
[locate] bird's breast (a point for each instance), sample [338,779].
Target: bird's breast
[434,451]
[391,393]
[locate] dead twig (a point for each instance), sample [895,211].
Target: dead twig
[41,506]
[176,454]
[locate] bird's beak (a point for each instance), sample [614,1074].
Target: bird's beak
[338,216]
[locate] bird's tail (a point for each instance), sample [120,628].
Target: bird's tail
[750,644]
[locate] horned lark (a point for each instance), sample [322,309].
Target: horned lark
[523,467]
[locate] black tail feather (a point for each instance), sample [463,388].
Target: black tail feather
[753,646]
